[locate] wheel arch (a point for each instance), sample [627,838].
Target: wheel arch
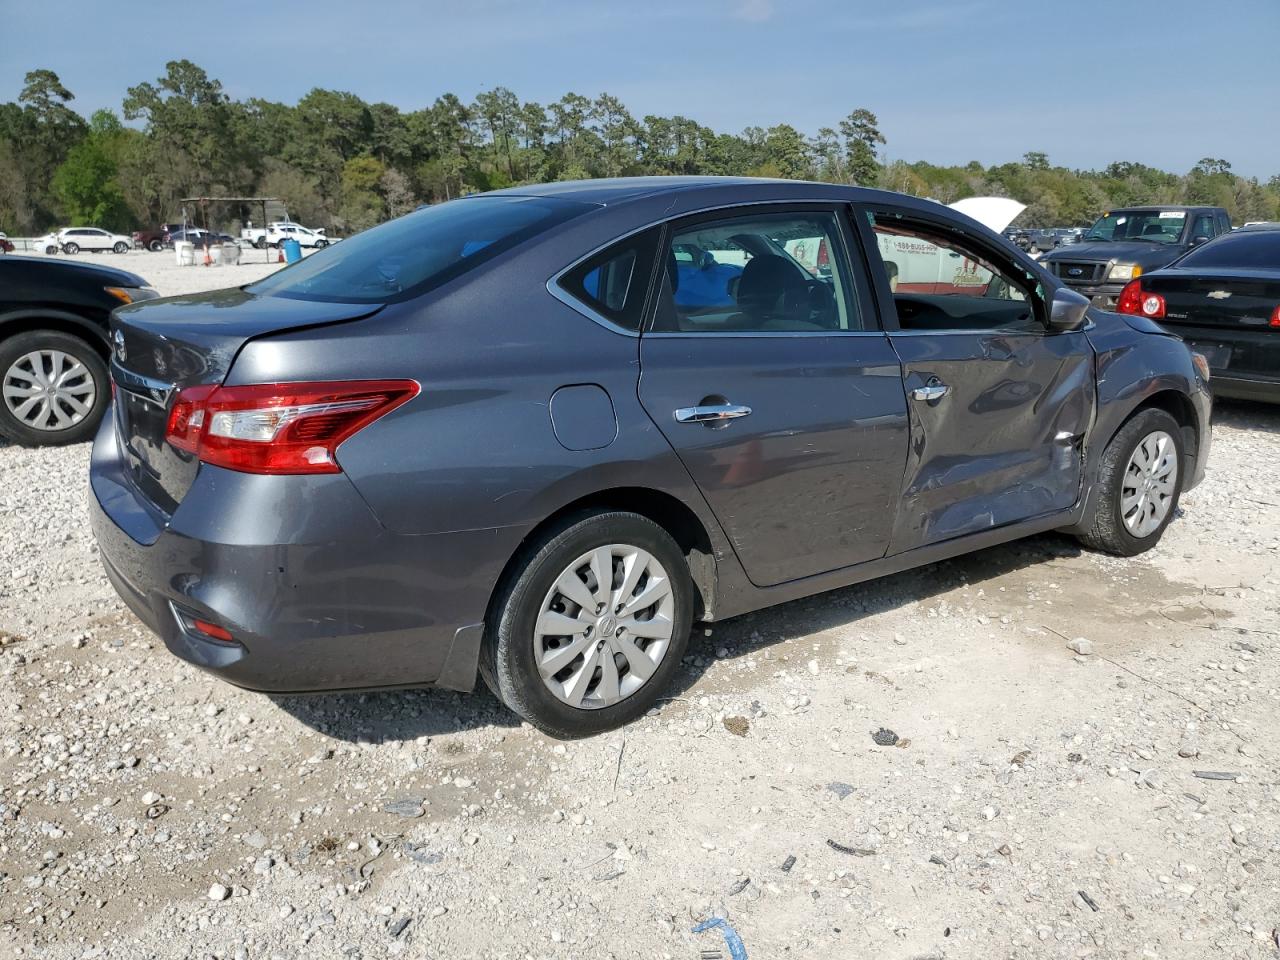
[61,321]
[1178,406]
[671,513]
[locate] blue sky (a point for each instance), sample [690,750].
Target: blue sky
[1163,82]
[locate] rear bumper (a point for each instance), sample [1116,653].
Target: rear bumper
[1245,363]
[317,594]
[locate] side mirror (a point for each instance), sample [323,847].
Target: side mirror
[1067,310]
[1196,241]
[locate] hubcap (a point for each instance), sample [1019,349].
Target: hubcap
[48,390]
[604,626]
[1150,481]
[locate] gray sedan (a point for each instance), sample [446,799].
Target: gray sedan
[534,435]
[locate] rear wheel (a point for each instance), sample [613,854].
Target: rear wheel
[71,248]
[261,243]
[53,388]
[590,630]
[51,249]
[321,244]
[1139,482]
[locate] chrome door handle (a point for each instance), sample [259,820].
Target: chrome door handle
[712,414]
[935,389]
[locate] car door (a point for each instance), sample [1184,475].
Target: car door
[999,404]
[775,387]
[95,240]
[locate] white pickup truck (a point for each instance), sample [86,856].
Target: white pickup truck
[273,233]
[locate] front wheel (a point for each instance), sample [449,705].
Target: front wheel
[1139,482]
[261,243]
[121,247]
[589,630]
[53,388]
[71,248]
[155,246]
[321,244]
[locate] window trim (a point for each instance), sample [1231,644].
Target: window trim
[858,291]
[557,290]
[887,306]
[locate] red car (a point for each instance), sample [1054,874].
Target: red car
[154,238]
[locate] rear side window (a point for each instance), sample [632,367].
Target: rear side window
[614,282]
[1244,250]
[419,251]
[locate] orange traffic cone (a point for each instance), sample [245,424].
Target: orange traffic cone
[280,259]
[208,260]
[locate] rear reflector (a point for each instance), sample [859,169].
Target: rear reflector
[212,631]
[279,428]
[1275,318]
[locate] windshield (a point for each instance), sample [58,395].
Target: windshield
[1259,250]
[1157,226]
[419,251]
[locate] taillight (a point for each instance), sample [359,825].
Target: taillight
[1275,318]
[279,428]
[1135,300]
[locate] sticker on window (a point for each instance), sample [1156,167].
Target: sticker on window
[1173,214]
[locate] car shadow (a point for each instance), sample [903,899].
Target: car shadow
[407,715]
[752,632]
[1246,415]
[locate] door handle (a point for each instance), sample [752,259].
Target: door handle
[714,413]
[934,389]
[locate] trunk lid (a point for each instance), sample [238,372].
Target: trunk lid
[1222,298]
[161,346]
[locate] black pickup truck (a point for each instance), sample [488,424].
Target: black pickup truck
[1124,244]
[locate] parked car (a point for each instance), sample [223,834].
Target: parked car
[1124,244]
[155,239]
[6,246]
[53,346]
[490,437]
[274,233]
[1223,298]
[74,239]
[198,236]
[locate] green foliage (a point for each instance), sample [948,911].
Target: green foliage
[340,162]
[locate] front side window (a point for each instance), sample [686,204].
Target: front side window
[769,273]
[419,251]
[1204,226]
[943,280]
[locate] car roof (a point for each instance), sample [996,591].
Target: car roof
[607,192]
[1145,207]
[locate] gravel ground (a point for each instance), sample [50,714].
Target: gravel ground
[1038,801]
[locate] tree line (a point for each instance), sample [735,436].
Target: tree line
[345,164]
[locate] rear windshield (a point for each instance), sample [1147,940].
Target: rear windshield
[1260,249]
[421,250]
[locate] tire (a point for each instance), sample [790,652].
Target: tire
[155,246]
[51,249]
[1106,528]
[72,248]
[121,247]
[321,244]
[514,644]
[14,380]
[261,243]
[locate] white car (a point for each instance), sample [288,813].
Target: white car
[286,230]
[75,239]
